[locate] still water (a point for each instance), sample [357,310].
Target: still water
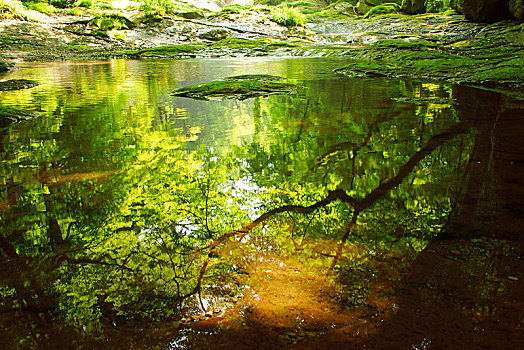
[134,219]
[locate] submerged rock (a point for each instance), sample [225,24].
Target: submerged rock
[10,116]
[240,88]
[17,84]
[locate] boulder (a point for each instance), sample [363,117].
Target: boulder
[190,15]
[516,9]
[215,35]
[482,10]
[414,7]
[364,6]
[3,67]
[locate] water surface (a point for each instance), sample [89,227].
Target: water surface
[125,212]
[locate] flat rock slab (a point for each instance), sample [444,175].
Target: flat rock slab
[239,88]
[17,84]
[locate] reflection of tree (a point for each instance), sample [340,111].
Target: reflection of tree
[366,202]
[467,272]
[131,230]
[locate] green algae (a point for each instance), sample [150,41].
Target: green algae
[242,88]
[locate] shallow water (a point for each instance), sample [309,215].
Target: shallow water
[117,200]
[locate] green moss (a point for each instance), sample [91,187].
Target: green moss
[110,20]
[381,9]
[402,44]
[246,43]
[287,16]
[77,47]
[234,89]
[168,50]
[41,7]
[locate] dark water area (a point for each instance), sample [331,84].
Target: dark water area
[354,213]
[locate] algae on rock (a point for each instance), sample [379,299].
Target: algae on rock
[239,87]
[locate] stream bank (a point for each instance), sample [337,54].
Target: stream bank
[444,47]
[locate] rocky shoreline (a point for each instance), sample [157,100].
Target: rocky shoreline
[441,47]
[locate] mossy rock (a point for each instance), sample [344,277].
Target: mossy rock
[247,43]
[190,15]
[17,84]
[235,88]
[162,51]
[10,116]
[3,67]
[215,34]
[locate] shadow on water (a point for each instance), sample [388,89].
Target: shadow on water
[356,213]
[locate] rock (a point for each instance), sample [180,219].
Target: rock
[9,116]
[3,67]
[234,89]
[414,7]
[190,15]
[215,35]
[516,9]
[17,84]
[344,7]
[364,6]
[482,10]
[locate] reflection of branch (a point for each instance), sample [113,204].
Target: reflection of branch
[90,261]
[341,195]
[406,169]
[350,227]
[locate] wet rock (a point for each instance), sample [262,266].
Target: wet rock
[414,7]
[234,89]
[215,35]
[482,10]
[516,9]
[17,84]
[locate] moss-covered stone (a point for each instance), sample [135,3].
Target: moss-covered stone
[17,84]
[190,14]
[247,43]
[215,34]
[474,62]
[162,51]
[3,67]
[239,88]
